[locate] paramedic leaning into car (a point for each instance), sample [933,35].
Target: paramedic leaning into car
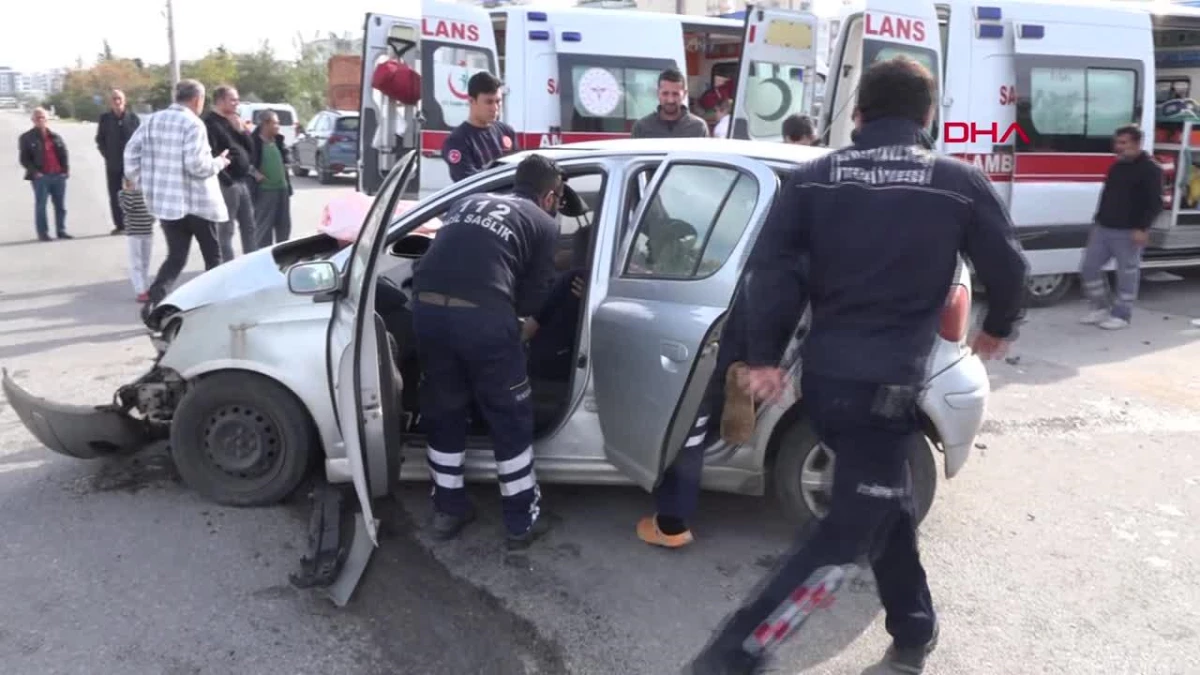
[492,261]
[474,144]
[882,223]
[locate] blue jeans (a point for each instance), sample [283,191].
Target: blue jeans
[54,187]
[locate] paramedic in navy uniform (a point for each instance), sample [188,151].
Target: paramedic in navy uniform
[492,261]
[882,223]
[483,137]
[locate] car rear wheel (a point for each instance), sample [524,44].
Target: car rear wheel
[241,439]
[803,474]
[299,171]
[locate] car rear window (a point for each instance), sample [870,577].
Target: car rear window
[285,116]
[346,124]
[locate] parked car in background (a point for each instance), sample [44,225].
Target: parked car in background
[329,146]
[278,361]
[251,114]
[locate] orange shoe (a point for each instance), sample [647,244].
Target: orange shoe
[647,531]
[737,417]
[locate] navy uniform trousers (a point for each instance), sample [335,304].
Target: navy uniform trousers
[871,519]
[474,353]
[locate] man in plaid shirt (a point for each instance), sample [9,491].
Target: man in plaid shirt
[170,159]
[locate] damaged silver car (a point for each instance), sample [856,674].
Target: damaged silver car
[287,358]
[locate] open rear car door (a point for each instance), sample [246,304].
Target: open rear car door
[366,389]
[654,336]
[777,75]
[446,43]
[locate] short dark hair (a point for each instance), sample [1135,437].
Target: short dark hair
[899,87]
[537,175]
[671,75]
[796,127]
[1133,131]
[222,92]
[483,82]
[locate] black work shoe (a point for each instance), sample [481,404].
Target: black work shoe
[44,237]
[445,526]
[540,527]
[64,235]
[117,230]
[911,660]
[738,663]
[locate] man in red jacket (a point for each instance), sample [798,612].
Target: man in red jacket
[44,156]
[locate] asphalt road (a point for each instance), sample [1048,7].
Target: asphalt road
[1067,545]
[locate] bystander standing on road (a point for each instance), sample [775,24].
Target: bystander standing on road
[475,143]
[799,130]
[272,187]
[227,134]
[1131,200]
[170,159]
[47,167]
[671,119]
[139,236]
[113,131]
[882,224]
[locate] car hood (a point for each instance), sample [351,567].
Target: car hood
[243,275]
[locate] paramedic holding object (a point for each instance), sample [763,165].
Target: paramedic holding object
[881,224]
[472,146]
[1131,200]
[492,261]
[671,119]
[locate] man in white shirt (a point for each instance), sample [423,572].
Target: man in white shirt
[170,159]
[721,130]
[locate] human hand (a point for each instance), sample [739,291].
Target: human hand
[1140,237]
[988,347]
[529,328]
[223,159]
[578,285]
[764,383]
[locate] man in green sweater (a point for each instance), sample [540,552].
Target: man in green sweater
[273,186]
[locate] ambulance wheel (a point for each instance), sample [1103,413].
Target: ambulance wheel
[803,474]
[324,175]
[1045,290]
[241,439]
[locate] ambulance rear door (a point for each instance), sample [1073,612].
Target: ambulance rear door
[446,43]
[878,30]
[777,72]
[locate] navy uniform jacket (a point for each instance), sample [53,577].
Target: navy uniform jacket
[469,149]
[495,250]
[881,224]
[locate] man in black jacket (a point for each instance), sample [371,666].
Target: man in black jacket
[882,224]
[44,156]
[227,133]
[112,133]
[1129,204]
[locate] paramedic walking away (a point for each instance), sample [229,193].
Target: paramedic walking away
[227,134]
[273,188]
[882,223]
[474,144]
[113,131]
[492,261]
[139,237]
[671,119]
[170,160]
[1131,200]
[43,155]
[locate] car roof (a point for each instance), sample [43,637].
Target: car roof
[762,150]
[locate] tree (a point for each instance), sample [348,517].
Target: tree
[106,54]
[216,68]
[310,79]
[262,77]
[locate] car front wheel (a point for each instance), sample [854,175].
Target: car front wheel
[803,474]
[241,439]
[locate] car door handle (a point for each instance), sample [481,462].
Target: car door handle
[675,351]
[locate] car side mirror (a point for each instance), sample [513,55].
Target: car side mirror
[313,278]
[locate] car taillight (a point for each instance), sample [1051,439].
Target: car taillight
[956,314]
[338,138]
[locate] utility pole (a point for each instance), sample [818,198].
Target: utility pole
[171,45]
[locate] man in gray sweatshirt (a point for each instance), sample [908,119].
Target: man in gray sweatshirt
[671,119]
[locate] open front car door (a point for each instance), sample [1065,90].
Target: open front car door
[366,391]
[654,336]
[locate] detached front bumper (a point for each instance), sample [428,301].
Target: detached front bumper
[955,401]
[89,432]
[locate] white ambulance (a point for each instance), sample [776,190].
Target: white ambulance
[573,74]
[1067,74]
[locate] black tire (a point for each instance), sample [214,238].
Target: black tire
[1048,289]
[299,171]
[799,442]
[324,175]
[269,426]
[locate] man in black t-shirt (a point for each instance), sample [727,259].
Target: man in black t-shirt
[483,137]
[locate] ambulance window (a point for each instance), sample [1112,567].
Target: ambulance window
[1075,109]
[775,91]
[445,70]
[1172,88]
[608,94]
[875,51]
